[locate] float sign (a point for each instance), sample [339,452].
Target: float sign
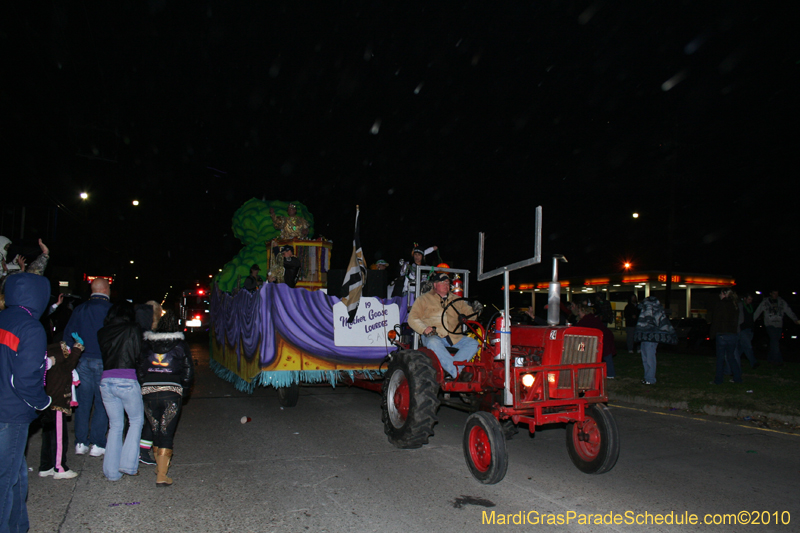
[373,321]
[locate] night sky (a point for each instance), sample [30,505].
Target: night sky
[440,119]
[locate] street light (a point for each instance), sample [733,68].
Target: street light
[136,202]
[635,215]
[627,265]
[84,196]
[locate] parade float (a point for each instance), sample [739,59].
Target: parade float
[280,336]
[530,376]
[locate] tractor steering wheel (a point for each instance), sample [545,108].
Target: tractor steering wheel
[466,317]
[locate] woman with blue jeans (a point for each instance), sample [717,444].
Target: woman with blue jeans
[121,344]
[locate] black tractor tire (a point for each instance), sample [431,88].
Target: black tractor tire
[288,396]
[410,399]
[595,449]
[484,446]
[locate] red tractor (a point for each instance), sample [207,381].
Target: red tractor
[532,375]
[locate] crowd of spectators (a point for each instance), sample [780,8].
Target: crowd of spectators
[105,362]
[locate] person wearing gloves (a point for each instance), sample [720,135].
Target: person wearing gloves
[23,343]
[120,341]
[407,268]
[165,372]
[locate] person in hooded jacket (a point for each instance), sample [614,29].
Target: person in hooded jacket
[22,365]
[120,341]
[165,372]
[652,327]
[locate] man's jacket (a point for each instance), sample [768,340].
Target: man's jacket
[23,345]
[427,311]
[86,321]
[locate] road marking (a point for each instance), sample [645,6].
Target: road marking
[701,419]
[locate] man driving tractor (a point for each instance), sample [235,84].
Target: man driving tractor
[426,319]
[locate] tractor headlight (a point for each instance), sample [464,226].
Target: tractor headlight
[527,380]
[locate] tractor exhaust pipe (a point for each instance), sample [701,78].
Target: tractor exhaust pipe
[554,294]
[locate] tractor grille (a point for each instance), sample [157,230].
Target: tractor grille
[578,349]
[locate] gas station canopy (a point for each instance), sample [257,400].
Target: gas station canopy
[645,281]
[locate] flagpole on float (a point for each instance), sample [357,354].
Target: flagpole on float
[356,275]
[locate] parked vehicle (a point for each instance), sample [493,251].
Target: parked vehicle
[692,333]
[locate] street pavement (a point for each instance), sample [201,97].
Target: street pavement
[325,465]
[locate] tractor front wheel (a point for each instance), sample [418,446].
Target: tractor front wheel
[410,399]
[594,445]
[485,448]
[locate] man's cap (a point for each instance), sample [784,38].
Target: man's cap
[255,267]
[441,276]
[417,250]
[381,262]
[287,248]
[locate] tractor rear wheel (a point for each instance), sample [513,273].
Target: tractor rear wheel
[485,448]
[410,399]
[288,396]
[594,446]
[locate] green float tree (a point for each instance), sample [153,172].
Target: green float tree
[252,225]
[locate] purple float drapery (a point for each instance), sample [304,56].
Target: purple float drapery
[303,318]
